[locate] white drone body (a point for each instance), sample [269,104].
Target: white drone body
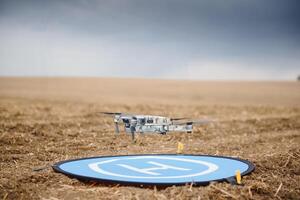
[152,123]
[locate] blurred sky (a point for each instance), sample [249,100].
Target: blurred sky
[181,39]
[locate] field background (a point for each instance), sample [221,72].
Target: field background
[46,120]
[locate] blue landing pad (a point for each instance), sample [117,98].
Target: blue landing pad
[155,169]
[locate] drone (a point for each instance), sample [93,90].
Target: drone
[152,123]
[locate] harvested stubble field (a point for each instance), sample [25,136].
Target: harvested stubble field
[46,120]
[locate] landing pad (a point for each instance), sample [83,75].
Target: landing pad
[155,169]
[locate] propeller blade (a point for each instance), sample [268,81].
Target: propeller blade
[110,113]
[174,119]
[201,121]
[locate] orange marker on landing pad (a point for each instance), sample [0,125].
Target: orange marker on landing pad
[180,147]
[238,177]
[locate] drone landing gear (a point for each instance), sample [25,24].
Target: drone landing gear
[116,128]
[132,129]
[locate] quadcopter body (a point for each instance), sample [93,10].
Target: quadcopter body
[152,123]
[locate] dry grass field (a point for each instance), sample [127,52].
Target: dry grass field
[46,120]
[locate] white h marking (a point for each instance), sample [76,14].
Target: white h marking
[149,170]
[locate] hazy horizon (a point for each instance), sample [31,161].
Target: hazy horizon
[190,40]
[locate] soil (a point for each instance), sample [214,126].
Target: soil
[46,120]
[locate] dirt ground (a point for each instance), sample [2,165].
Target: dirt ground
[46,120]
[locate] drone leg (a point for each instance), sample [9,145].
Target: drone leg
[132,135]
[132,132]
[116,128]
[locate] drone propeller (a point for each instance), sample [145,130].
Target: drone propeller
[175,119]
[116,120]
[110,113]
[201,121]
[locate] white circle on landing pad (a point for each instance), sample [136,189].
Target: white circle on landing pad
[159,169]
